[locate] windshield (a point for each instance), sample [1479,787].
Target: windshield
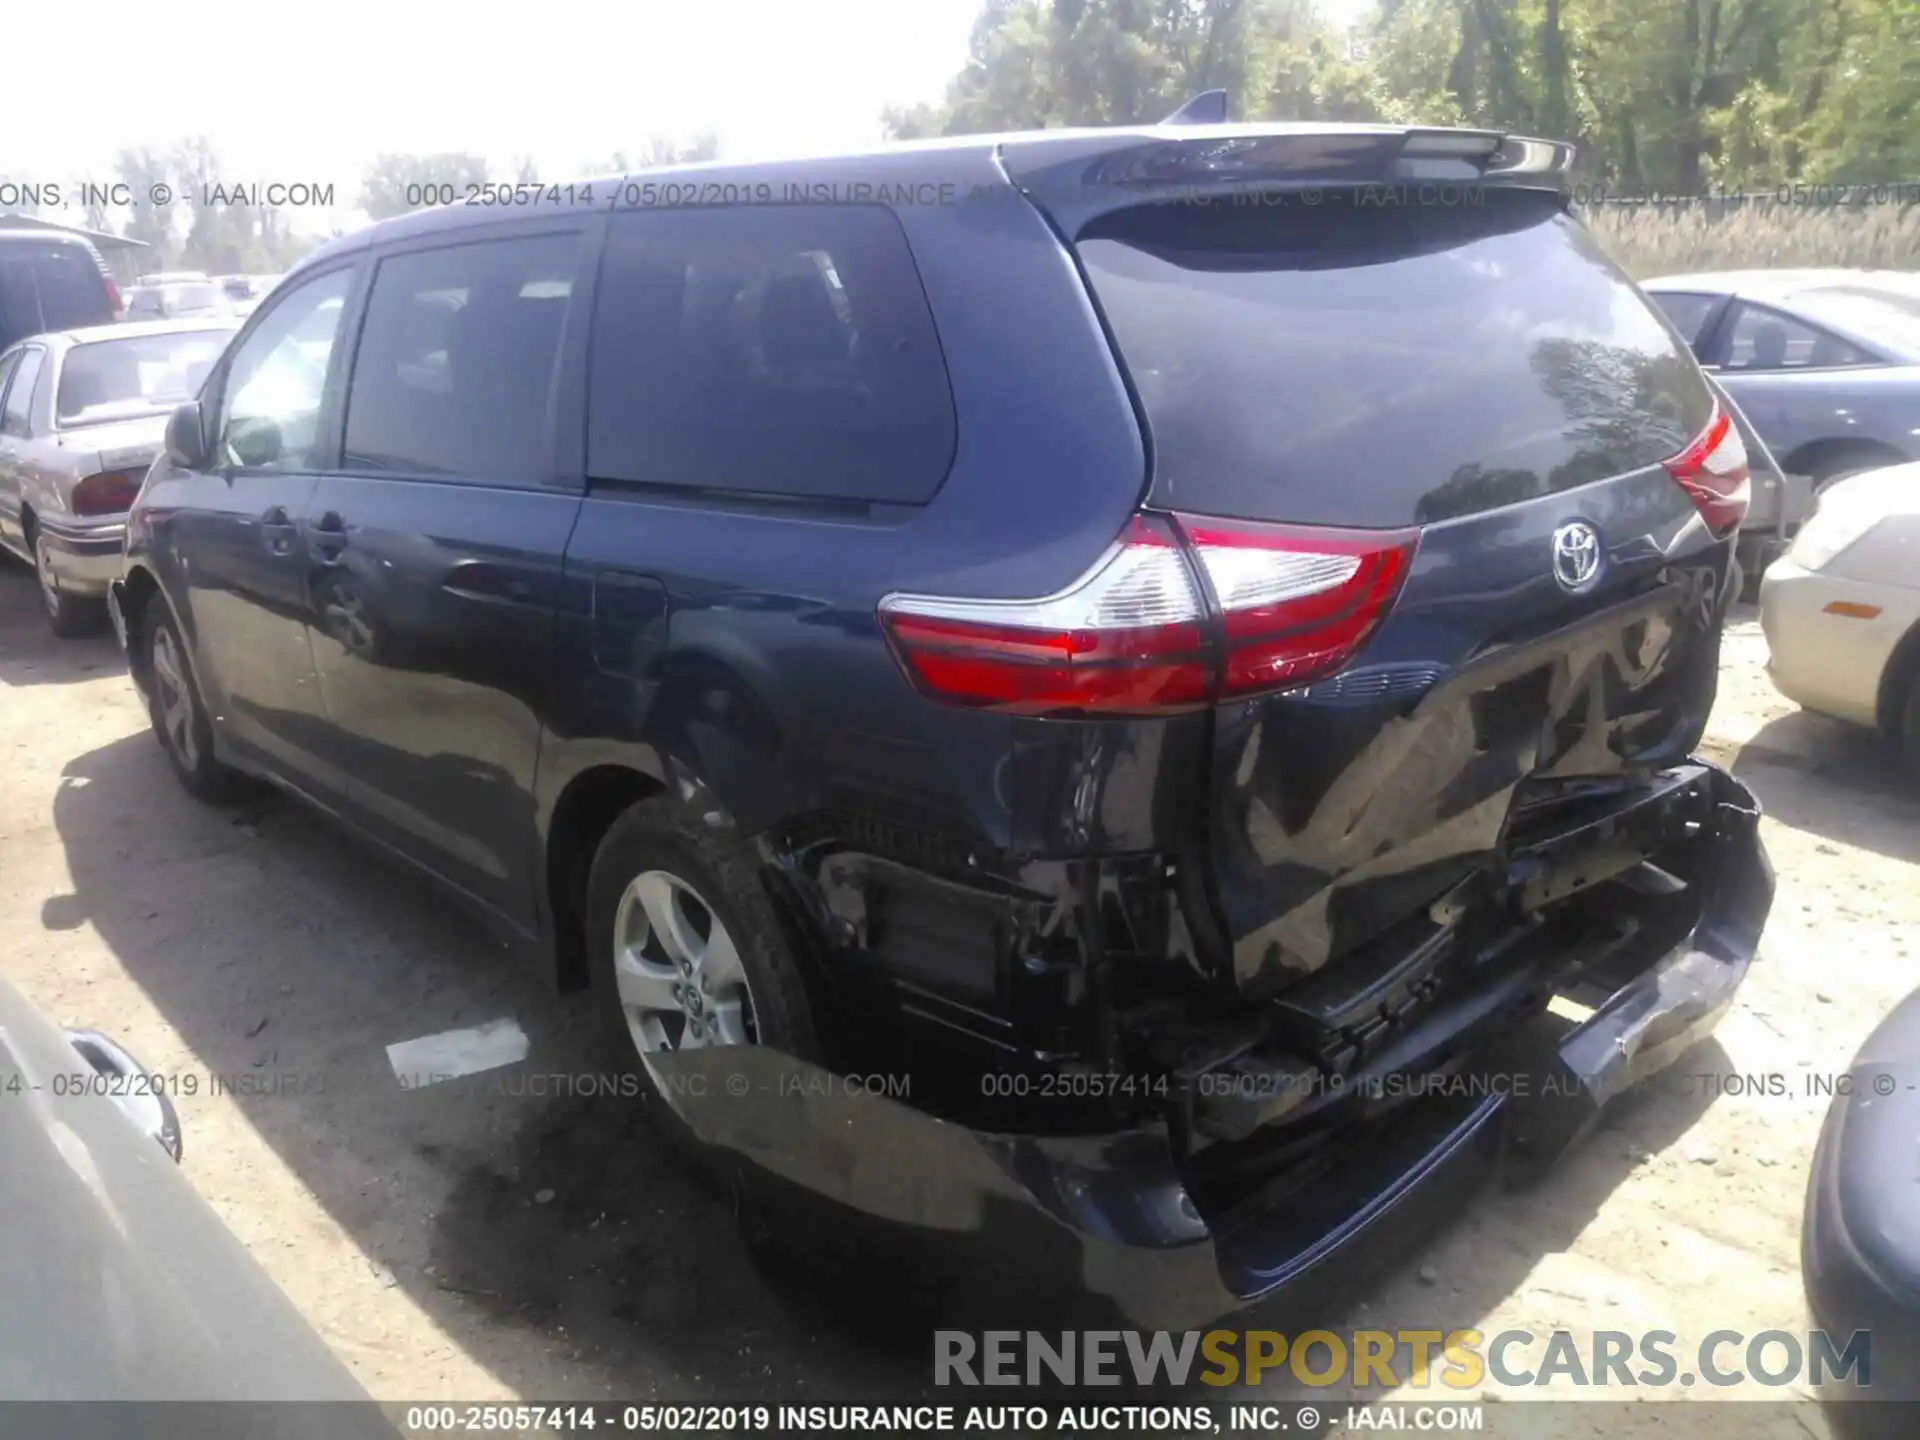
[1888,319]
[141,375]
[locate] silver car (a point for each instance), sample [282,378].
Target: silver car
[181,300]
[1826,363]
[82,414]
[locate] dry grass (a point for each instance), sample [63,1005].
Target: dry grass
[1649,240]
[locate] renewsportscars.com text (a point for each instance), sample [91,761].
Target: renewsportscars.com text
[1457,1359]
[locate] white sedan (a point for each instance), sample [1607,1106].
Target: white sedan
[1841,609]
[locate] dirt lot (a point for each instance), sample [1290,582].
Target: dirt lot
[462,1242]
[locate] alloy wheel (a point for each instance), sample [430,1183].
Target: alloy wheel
[681,984]
[174,698]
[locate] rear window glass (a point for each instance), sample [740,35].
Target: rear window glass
[780,350]
[1356,363]
[107,379]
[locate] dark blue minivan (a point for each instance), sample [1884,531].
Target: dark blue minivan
[1118,700]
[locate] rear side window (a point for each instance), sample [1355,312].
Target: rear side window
[454,375]
[779,350]
[1687,312]
[50,287]
[1763,339]
[73,292]
[1356,363]
[19,406]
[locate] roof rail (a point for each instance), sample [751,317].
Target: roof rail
[1209,107]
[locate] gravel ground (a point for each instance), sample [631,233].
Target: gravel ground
[463,1242]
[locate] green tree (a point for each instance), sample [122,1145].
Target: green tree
[1668,95]
[393,185]
[1862,107]
[1034,64]
[659,150]
[146,174]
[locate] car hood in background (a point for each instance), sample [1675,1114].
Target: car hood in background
[1890,490]
[117,1281]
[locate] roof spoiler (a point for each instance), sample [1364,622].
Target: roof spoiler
[1078,177]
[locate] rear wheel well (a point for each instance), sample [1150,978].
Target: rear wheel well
[586,810]
[1825,458]
[136,592]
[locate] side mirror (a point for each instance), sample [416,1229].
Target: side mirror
[187,437]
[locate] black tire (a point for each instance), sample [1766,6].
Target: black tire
[659,833]
[1906,721]
[69,616]
[202,776]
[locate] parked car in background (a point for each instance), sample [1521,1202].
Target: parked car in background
[51,281]
[1826,363]
[1860,1238]
[1777,504]
[1841,609]
[171,277]
[1203,693]
[179,300]
[117,1281]
[82,414]
[244,292]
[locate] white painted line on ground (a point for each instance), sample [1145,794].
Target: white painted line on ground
[453,1053]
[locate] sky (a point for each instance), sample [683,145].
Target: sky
[312,93]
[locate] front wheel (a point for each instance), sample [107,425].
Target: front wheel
[174,706]
[687,949]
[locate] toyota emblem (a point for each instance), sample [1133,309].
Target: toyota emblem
[1576,556]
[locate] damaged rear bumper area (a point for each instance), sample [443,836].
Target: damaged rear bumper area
[1161,1226]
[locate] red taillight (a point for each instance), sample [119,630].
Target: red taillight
[113,298]
[1296,602]
[107,493]
[1129,636]
[1713,472]
[1133,636]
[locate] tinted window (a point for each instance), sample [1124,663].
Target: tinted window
[782,350]
[278,376]
[138,375]
[7,362]
[455,370]
[73,293]
[49,287]
[1762,339]
[20,393]
[1369,364]
[1687,312]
